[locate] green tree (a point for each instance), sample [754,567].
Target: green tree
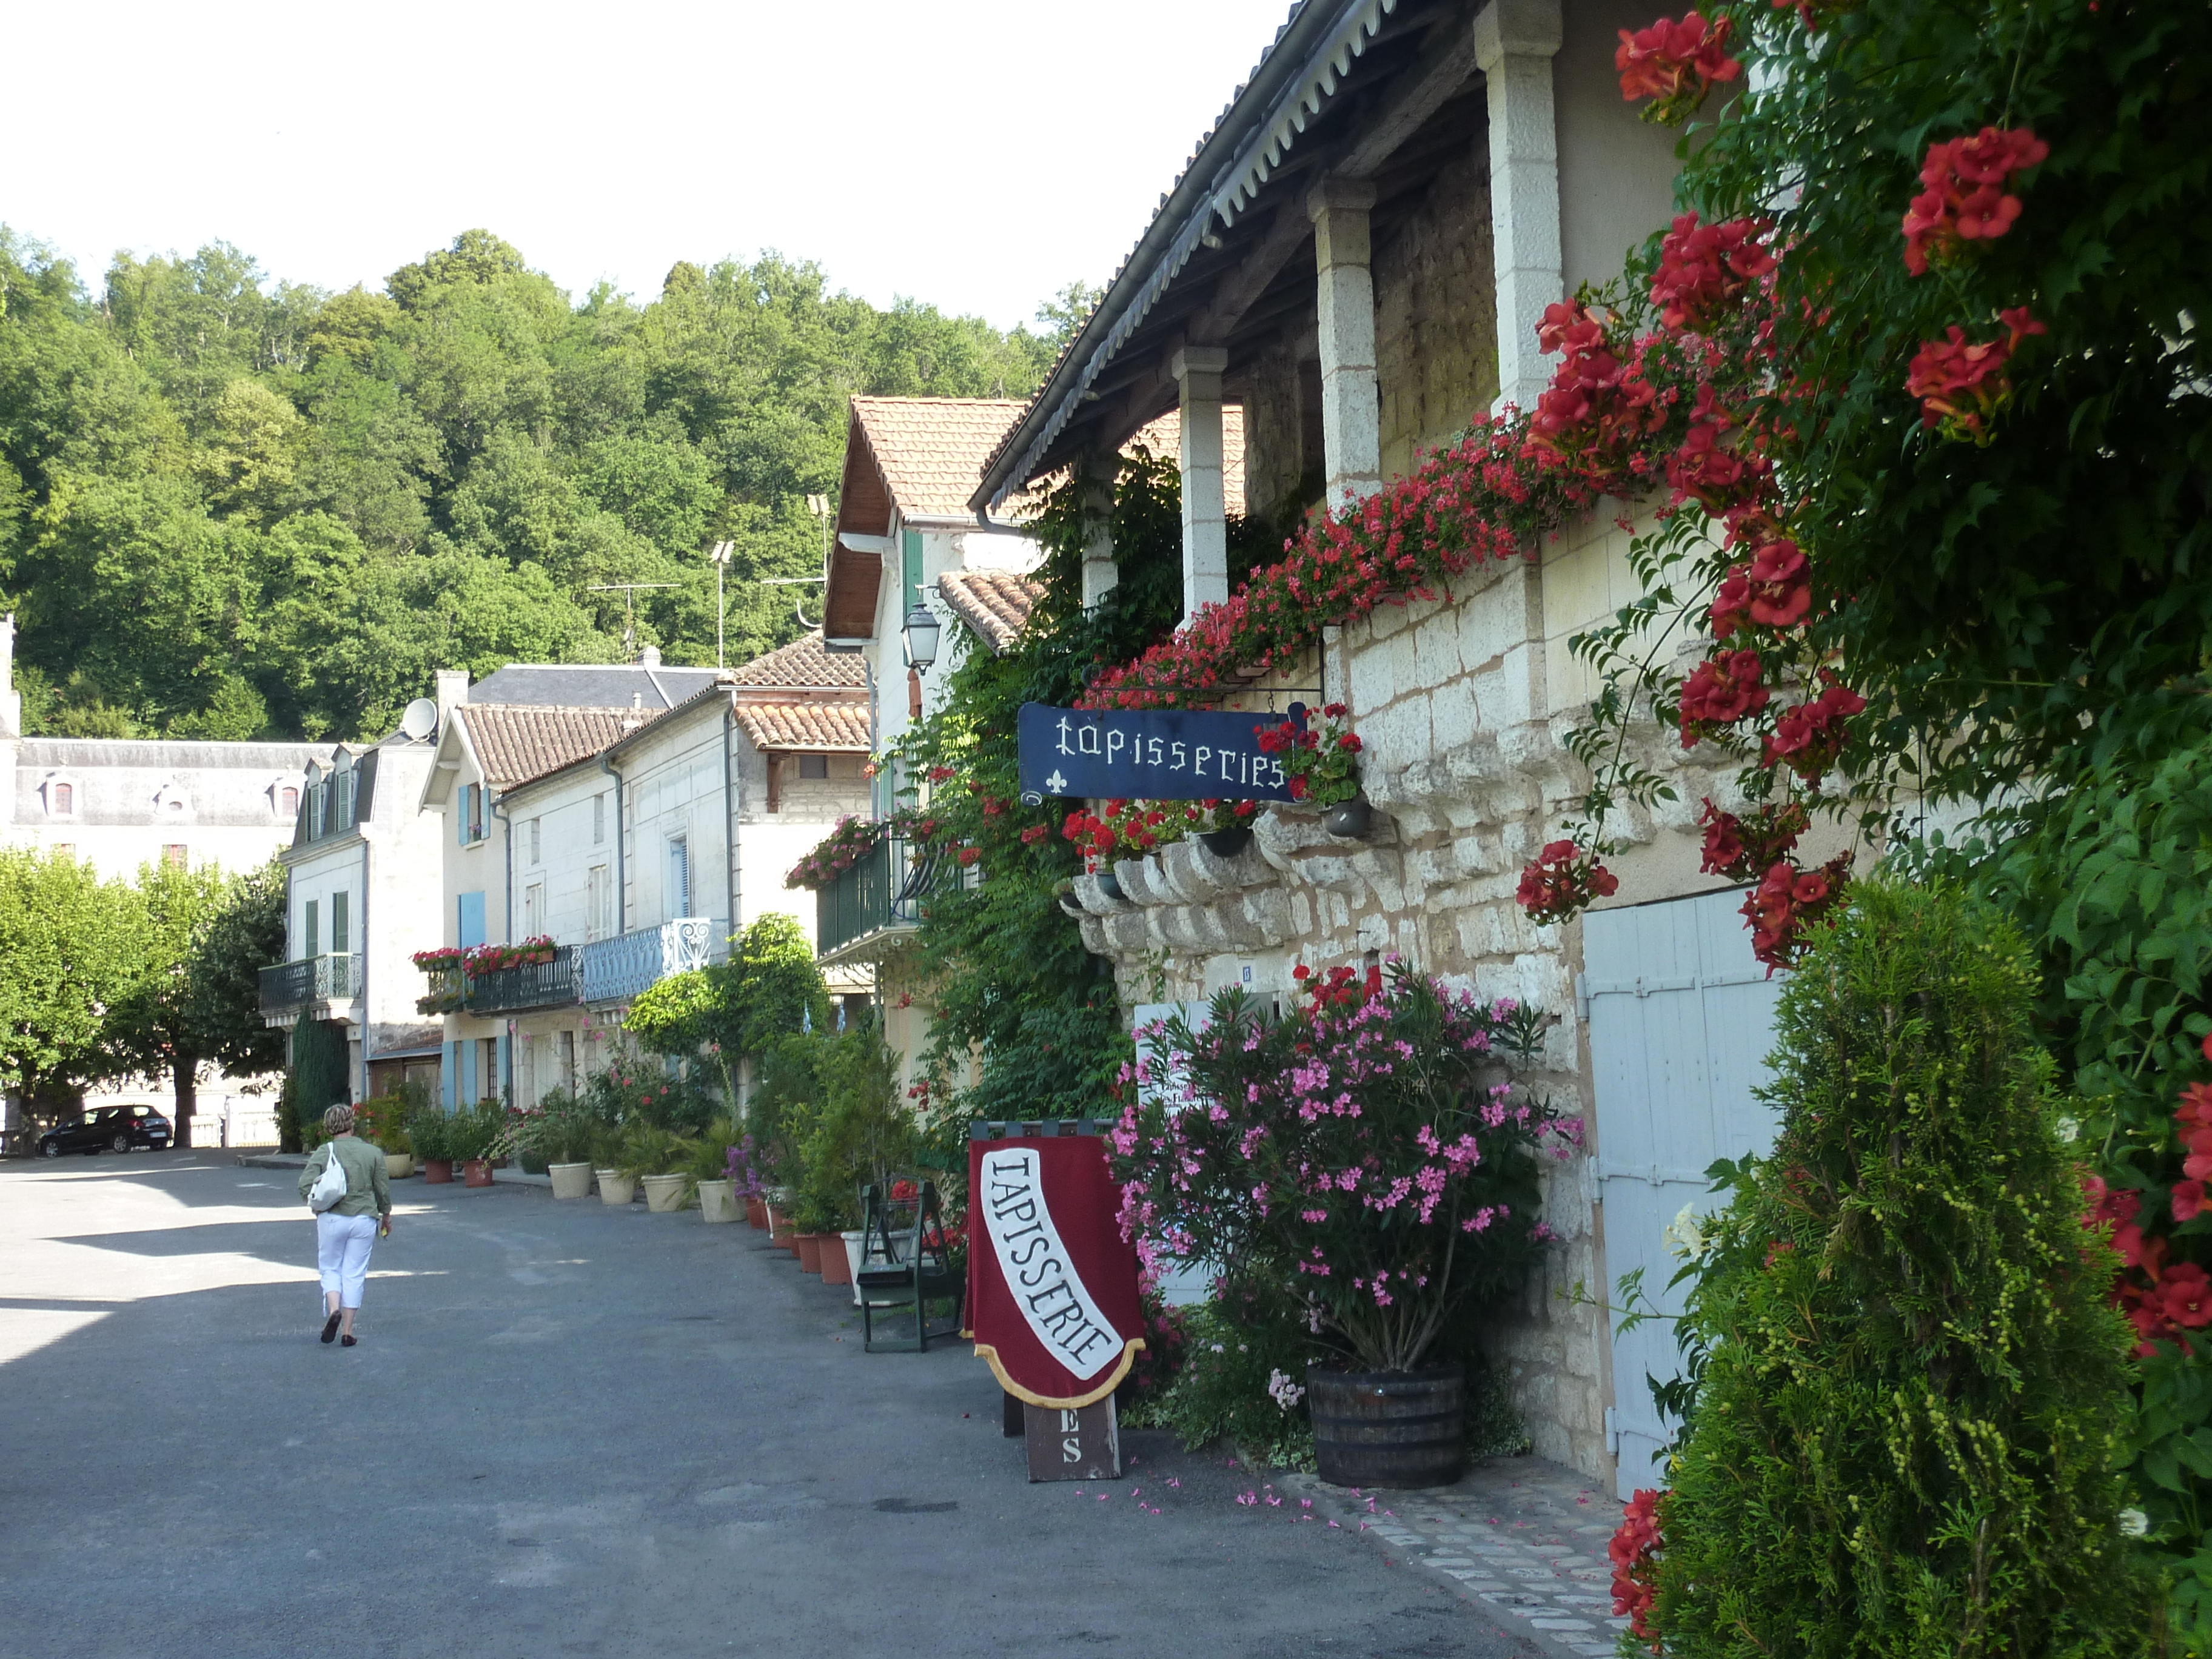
[70,950]
[1908,1420]
[150,1029]
[243,933]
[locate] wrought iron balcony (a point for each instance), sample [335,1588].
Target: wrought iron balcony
[616,970]
[555,984]
[878,899]
[287,988]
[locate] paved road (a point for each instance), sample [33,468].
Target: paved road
[570,1429]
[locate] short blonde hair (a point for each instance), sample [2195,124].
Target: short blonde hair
[336,1120]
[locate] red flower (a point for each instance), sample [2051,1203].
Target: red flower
[1562,880]
[1674,62]
[2188,1200]
[1965,201]
[2185,1295]
[1721,691]
[1962,382]
[1810,736]
[1631,1551]
[2196,1108]
[1703,268]
[1033,835]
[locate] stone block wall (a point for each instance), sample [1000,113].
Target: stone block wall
[1463,709]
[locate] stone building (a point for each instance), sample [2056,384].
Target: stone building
[1357,254]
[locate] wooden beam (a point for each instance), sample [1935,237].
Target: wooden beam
[1422,91]
[1286,233]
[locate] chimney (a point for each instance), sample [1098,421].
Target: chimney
[650,657]
[453,691]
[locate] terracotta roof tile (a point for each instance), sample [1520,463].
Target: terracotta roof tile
[994,603]
[931,450]
[517,741]
[803,662]
[817,727]
[1164,437]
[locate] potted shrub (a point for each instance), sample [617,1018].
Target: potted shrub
[472,1135]
[1322,764]
[610,1153]
[429,1131]
[656,1158]
[709,1171]
[1366,1156]
[383,1123]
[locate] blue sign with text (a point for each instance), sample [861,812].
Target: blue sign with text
[1153,754]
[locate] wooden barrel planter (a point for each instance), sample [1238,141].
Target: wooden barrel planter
[1388,1428]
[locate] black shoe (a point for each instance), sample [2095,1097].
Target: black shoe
[346,1341]
[330,1327]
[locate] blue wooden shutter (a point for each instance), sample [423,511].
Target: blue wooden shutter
[469,919]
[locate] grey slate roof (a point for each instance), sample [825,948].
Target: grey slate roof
[591,685]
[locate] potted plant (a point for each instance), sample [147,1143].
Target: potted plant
[1366,1156]
[709,1170]
[566,1143]
[471,1136]
[1228,826]
[657,1157]
[383,1123]
[429,1130]
[609,1154]
[1322,764]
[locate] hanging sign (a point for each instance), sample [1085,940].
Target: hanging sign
[1153,754]
[1052,1282]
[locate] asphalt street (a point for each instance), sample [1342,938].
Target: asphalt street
[572,1430]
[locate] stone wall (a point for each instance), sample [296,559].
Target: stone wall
[1435,313]
[1464,704]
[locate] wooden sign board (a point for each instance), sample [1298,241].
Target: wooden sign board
[1079,1443]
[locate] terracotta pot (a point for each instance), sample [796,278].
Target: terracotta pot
[836,1266]
[809,1251]
[616,1188]
[477,1172]
[437,1171]
[757,1214]
[570,1180]
[398,1166]
[718,1201]
[665,1193]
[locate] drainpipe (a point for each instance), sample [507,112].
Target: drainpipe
[622,878]
[504,1048]
[733,886]
[361,985]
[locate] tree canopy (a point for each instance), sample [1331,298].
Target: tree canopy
[231,508]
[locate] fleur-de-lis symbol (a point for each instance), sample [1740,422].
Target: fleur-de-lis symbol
[1056,783]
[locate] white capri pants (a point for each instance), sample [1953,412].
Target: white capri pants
[341,1246]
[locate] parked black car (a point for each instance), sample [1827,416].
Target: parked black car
[112,1128]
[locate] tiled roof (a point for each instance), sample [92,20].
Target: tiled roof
[590,685]
[515,742]
[817,727]
[931,450]
[803,662]
[994,603]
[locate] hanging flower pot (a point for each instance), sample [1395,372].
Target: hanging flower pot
[1226,843]
[1351,820]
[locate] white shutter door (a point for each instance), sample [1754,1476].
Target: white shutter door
[1681,1016]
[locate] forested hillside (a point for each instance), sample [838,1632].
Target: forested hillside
[232,508]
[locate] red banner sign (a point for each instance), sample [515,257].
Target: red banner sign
[1052,1284]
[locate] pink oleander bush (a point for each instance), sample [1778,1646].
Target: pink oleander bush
[1366,1154]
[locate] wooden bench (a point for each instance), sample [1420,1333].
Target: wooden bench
[905,1262]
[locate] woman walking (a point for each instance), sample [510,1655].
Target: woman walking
[347,1229]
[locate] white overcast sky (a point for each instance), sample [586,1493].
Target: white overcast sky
[975,154]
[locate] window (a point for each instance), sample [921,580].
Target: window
[599,820]
[173,854]
[339,946]
[533,909]
[535,858]
[472,813]
[312,929]
[61,799]
[813,766]
[679,875]
[488,1065]
[598,903]
[565,1059]
[287,799]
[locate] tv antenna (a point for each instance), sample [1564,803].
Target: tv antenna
[629,613]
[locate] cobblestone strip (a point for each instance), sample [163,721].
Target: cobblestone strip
[1522,1537]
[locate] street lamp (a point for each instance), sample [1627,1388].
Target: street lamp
[720,555]
[921,628]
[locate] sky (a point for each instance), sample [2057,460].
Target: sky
[977,154]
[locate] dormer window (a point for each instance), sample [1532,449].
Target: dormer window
[288,801]
[61,799]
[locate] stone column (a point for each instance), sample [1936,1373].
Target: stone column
[1514,44]
[1197,370]
[1100,572]
[1351,405]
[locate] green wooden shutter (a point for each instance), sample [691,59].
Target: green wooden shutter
[338,924]
[910,556]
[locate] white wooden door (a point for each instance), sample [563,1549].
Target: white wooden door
[1681,1017]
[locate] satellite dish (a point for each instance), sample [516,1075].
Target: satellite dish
[420,719]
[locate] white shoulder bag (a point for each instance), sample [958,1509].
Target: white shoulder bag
[330,1186]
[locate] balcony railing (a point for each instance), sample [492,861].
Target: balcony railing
[554,984]
[292,985]
[879,898]
[616,970]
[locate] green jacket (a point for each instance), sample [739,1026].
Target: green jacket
[368,1191]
